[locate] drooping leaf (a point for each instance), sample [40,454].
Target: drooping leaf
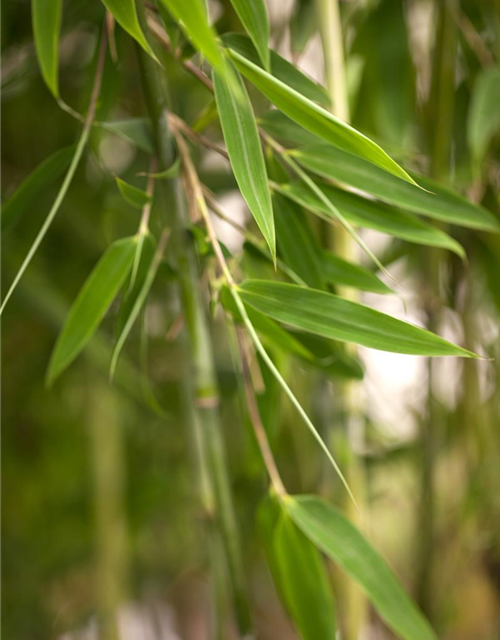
[245,153]
[125,13]
[46,16]
[296,243]
[193,19]
[483,120]
[94,299]
[333,317]
[299,573]
[316,119]
[338,271]
[134,130]
[333,534]
[27,192]
[133,195]
[280,68]
[371,214]
[438,202]
[254,17]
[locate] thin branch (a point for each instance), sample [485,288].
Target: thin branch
[196,137]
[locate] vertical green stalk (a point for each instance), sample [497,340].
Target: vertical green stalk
[347,396]
[440,118]
[107,455]
[202,395]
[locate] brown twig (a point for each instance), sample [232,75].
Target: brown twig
[196,137]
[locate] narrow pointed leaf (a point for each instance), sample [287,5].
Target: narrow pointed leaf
[46,29]
[285,71]
[91,304]
[299,574]
[245,153]
[137,131]
[371,214]
[333,317]
[254,17]
[125,14]
[27,192]
[316,119]
[134,196]
[333,534]
[438,202]
[338,271]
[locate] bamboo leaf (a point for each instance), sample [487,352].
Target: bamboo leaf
[316,119]
[125,13]
[27,192]
[371,214]
[254,17]
[438,202]
[46,16]
[91,304]
[193,19]
[483,120]
[333,317]
[338,271]
[134,196]
[296,243]
[137,131]
[285,71]
[333,534]
[245,153]
[299,573]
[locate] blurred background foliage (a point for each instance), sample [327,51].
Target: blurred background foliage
[98,489]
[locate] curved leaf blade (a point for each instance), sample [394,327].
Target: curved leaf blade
[338,271]
[330,316]
[46,15]
[133,195]
[125,13]
[438,202]
[94,299]
[254,17]
[245,153]
[333,534]
[316,119]
[46,172]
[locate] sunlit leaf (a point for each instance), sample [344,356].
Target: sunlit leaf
[299,573]
[438,202]
[91,304]
[316,119]
[134,196]
[371,214]
[335,536]
[125,13]
[333,317]
[254,17]
[27,192]
[46,29]
[245,153]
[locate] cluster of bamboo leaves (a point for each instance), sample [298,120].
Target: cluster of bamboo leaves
[295,158]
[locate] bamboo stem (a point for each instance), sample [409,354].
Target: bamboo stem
[202,394]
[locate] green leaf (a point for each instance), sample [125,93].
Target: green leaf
[254,17]
[288,73]
[338,271]
[316,119]
[299,573]
[483,120]
[333,317]
[362,212]
[125,14]
[245,153]
[91,304]
[137,131]
[288,132]
[46,16]
[441,203]
[296,243]
[27,192]
[333,534]
[134,196]
[193,19]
